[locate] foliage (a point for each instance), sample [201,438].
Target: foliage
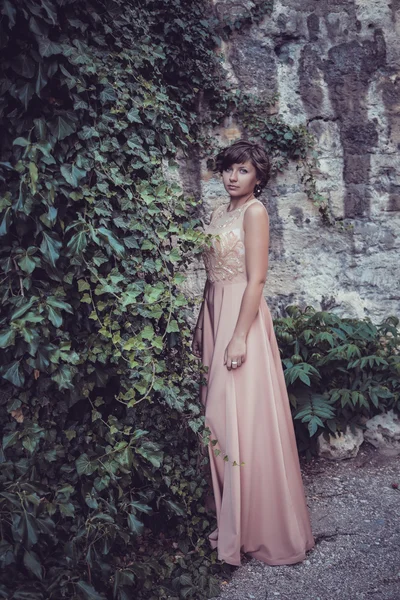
[309,164]
[284,143]
[338,371]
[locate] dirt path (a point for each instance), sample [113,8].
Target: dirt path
[355,515]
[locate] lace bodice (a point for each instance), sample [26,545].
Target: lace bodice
[224,260]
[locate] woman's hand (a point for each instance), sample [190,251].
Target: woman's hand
[197,343]
[235,353]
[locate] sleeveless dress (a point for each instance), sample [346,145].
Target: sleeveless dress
[257,488]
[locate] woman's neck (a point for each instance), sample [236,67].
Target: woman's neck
[237,202]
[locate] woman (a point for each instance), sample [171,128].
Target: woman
[257,486]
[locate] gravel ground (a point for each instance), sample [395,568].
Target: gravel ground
[355,514]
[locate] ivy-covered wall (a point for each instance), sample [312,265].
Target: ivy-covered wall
[335,67]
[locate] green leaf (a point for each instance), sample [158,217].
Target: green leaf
[151,452]
[29,444]
[27,264]
[174,255]
[7,337]
[304,377]
[184,127]
[55,317]
[58,303]
[134,116]
[24,93]
[135,525]
[153,293]
[51,12]
[107,95]
[23,65]
[31,562]
[9,439]
[63,377]
[88,591]
[30,529]
[41,79]
[131,242]
[138,433]
[178,509]
[313,425]
[63,125]
[84,465]
[91,501]
[67,509]
[8,9]
[50,217]
[125,458]
[47,47]
[112,241]
[83,285]
[147,245]
[77,244]
[50,248]
[13,373]
[23,308]
[20,141]
[34,175]
[72,174]
[147,332]
[40,129]
[141,507]
[122,578]
[5,222]
[173,326]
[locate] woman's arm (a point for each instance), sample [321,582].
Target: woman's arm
[256,227]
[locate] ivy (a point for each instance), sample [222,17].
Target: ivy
[98,379]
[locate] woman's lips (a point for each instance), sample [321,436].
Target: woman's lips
[234,187]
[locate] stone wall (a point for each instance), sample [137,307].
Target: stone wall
[336,67]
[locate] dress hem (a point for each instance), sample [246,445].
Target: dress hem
[271,562]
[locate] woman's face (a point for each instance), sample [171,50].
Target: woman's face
[240,179]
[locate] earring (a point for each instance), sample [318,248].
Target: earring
[257,190]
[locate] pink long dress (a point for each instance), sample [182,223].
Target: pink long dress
[257,487]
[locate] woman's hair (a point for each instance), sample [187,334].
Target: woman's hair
[241,151]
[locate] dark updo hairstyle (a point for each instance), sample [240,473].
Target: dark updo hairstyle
[241,151]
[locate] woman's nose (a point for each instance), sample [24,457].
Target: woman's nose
[233,176]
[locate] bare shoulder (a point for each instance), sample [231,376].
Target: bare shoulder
[254,213]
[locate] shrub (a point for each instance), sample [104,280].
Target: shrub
[338,370]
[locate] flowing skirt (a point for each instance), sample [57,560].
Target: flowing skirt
[257,486]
